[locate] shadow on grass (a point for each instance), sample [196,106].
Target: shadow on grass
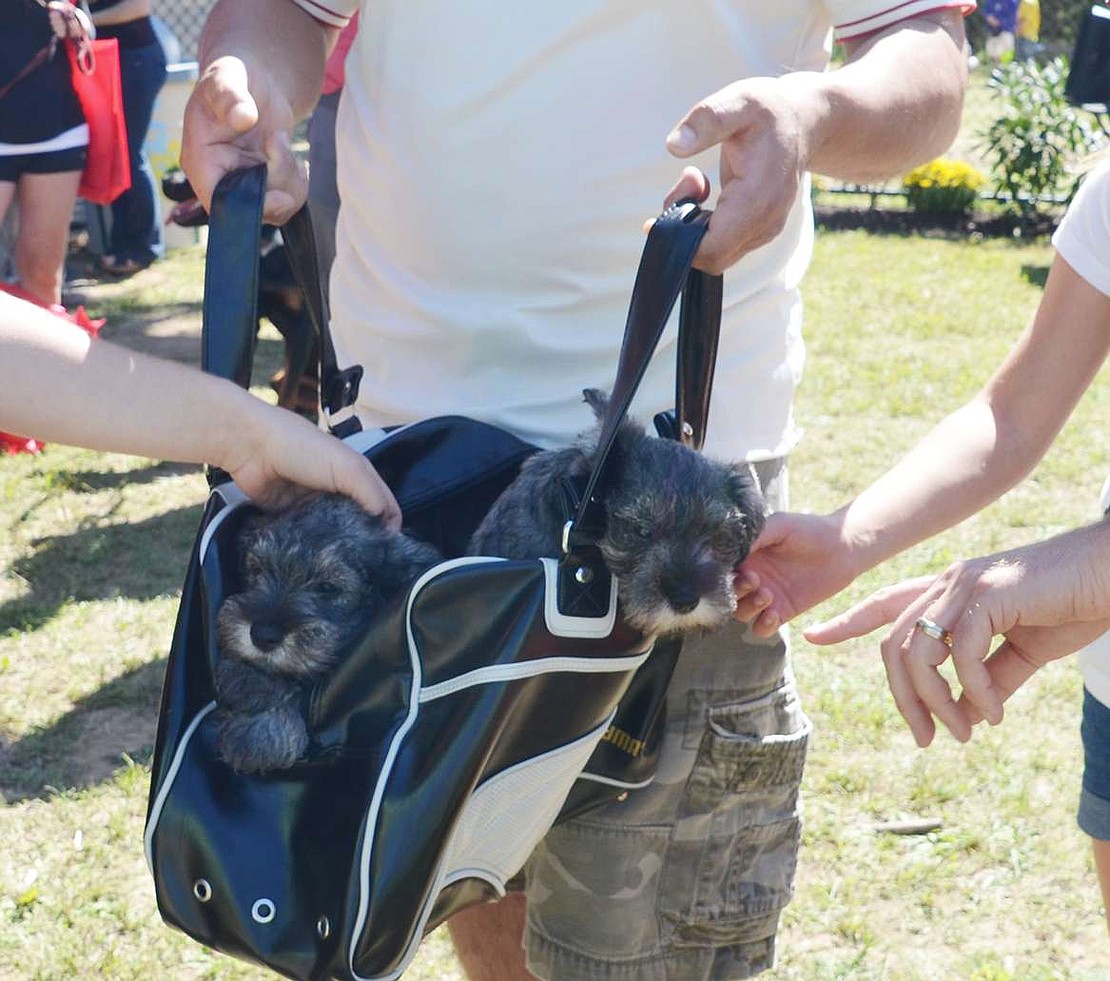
[172,331]
[139,560]
[92,481]
[87,744]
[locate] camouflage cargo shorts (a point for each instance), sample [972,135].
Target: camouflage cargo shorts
[685,880]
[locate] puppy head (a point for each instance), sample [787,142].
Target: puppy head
[306,587]
[677,526]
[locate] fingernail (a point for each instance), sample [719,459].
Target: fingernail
[682,138]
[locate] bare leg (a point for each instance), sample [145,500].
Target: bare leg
[488,940]
[1102,866]
[45,206]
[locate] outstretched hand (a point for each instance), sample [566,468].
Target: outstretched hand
[1043,599]
[797,561]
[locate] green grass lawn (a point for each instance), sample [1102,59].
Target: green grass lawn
[93,550]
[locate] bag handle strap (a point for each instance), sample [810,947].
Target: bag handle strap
[230,307]
[338,387]
[665,272]
[44,54]
[231,290]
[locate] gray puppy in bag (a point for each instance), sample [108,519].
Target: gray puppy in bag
[677,523]
[314,577]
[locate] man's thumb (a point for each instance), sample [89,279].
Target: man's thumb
[227,94]
[702,127]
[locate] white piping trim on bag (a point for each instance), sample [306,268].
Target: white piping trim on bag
[367,439]
[628,785]
[167,784]
[529,669]
[234,498]
[371,818]
[443,879]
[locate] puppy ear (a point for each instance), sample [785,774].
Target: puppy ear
[597,400]
[741,490]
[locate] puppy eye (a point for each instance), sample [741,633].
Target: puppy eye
[328,590]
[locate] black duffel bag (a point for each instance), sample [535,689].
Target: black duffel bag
[445,745]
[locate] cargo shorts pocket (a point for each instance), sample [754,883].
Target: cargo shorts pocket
[731,860]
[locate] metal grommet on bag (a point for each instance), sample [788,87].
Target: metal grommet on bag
[583,575]
[323,928]
[263,910]
[202,889]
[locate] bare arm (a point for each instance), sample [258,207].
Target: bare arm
[58,384]
[262,63]
[967,461]
[896,102]
[984,448]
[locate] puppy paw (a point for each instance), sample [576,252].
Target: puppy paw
[262,741]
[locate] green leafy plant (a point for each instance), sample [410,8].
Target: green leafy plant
[1038,138]
[943,186]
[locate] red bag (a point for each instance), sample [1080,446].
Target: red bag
[94,68]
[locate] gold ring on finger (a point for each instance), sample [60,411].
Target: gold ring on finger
[932,629]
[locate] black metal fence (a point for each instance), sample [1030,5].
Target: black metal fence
[184,18]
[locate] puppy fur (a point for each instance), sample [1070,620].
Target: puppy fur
[314,576]
[677,524]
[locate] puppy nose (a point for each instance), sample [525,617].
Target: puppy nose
[683,597]
[266,636]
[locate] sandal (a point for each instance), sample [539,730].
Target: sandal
[121,267]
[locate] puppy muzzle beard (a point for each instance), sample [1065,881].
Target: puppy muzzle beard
[663,619]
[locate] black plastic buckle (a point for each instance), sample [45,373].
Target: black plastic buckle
[341,390]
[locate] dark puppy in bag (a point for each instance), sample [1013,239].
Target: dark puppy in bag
[314,576]
[677,523]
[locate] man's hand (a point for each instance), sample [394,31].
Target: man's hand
[235,119]
[894,103]
[762,128]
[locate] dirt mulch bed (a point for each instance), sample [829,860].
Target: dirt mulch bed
[903,222]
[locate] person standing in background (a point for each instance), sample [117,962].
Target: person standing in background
[136,237]
[1027,33]
[43,138]
[1001,19]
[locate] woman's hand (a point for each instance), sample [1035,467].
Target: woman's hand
[277,457]
[797,561]
[1047,600]
[66,20]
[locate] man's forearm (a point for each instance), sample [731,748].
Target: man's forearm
[275,36]
[895,103]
